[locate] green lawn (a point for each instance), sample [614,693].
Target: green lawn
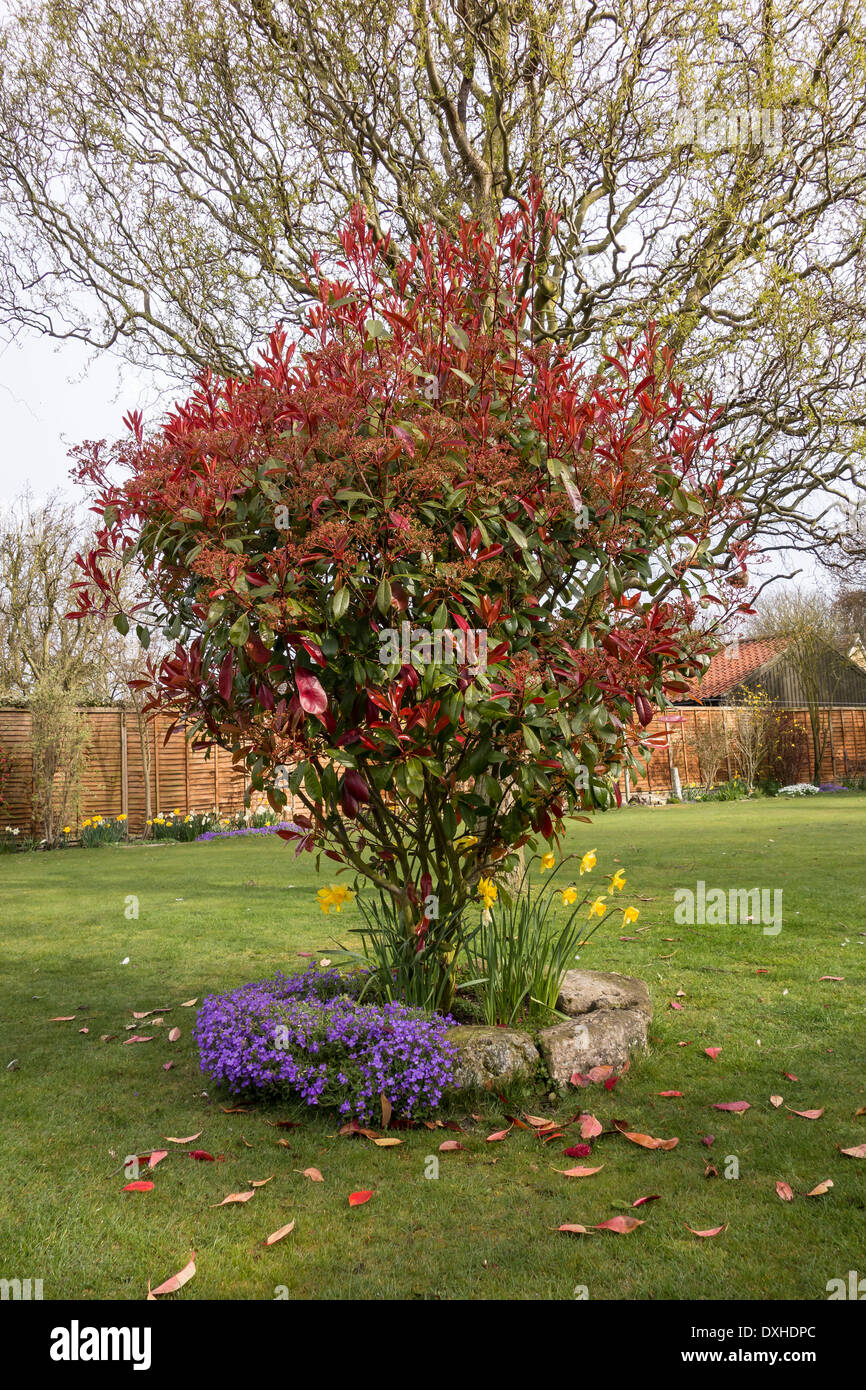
[212,916]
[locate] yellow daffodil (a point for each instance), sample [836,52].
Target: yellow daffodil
[66,829]
[85,824]
[631,914]
[334,896]
[488,891]
[569,897]
[588,861]
[599,908]
[617,881]
[123,817]
[326,899]
[547,862]
[466,842]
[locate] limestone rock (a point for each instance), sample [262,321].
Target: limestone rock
[604,1037]
[489,1056]
[586,991]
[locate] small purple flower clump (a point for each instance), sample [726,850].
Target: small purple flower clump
[831,787]
[246,830]
[305,1037]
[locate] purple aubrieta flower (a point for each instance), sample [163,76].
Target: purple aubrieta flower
[306,1037]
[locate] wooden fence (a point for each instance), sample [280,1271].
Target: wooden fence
[183,778]
[844,753]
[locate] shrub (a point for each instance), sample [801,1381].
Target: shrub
[304,1038]
[423,572]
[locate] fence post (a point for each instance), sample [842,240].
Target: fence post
[677,785]
[124,769]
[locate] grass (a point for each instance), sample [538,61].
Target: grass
[212,916]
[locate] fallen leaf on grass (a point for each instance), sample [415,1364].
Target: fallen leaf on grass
[450,1146]
[590,1127]
[641,1201]
[674,1004]
[861,1111]
[283,1143]
[139,1187]
[496,1136]
[169,1139]
[156,1157]
[167,1066]
[578,1151]
[189,1003]
[620,1225]
[806,1114]
[313,1174]
[357,1199]
[63,1018]
[645,1141]
[821,1188]
[667,1094]
[784,1191]
[354,1128]
[578,1172]
[712,1052]
[776,1101]
[386,1143]
[84,1030]
[858,1152]
[705,1235]
[709,1140]
[789,1076]
[174,1035]
[136,1038]
[147,1012]
[176,1281]
[280,1234]
[284,1124]
[203,1155]
[837,978]
[736,1105]
[234,1109]
[259,1182]
[575,1230]
[235,1197]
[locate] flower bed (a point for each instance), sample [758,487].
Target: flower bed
[305,1037]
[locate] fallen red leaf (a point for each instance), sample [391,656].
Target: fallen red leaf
[578,1172]
[641,1201]
[807,1114]
[712,1052]
[705,1235]
[313,1174]
[496,1136]
[784,1191]
[139,1187]
[620,1225]
[280,1234]
[789,1076]
[156,1157]
[821,1188]
[176,1281]
[357,1199]
[235,1197]
[174,1035]
[776,1101]
[736,1105]
[669,1093]
[578,1151]
[590,1127]
[136,1038]
[450,1146]
[170,1139]
[575,1230]
[203,1155]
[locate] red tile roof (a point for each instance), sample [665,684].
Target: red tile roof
[735,663]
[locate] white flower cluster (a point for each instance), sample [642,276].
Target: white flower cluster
[799,789]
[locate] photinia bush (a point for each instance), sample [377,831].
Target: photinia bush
[423,570]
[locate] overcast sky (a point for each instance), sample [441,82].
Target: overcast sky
[54,395]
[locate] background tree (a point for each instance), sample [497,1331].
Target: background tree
[810,621]
[58,742]
[165,169]
[423,462]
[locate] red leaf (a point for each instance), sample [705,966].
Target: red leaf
[712,1052]
[312,696]
[357,1199]
[590,1127]
[807,1114]
[641,1201]
[225,675]
[139,1187]
[737,1105]
[176,1281]
[578,1172]
[620,1225]
[669,1093]
[715,1231]
[497,1135]
[858,1152]
[202,1154]
[784,1191]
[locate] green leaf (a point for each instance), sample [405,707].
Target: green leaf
[340,602]
[375,328]
[517,535]
[383,597]
[121,622]
[239,631]
[530,739]
[458,337]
